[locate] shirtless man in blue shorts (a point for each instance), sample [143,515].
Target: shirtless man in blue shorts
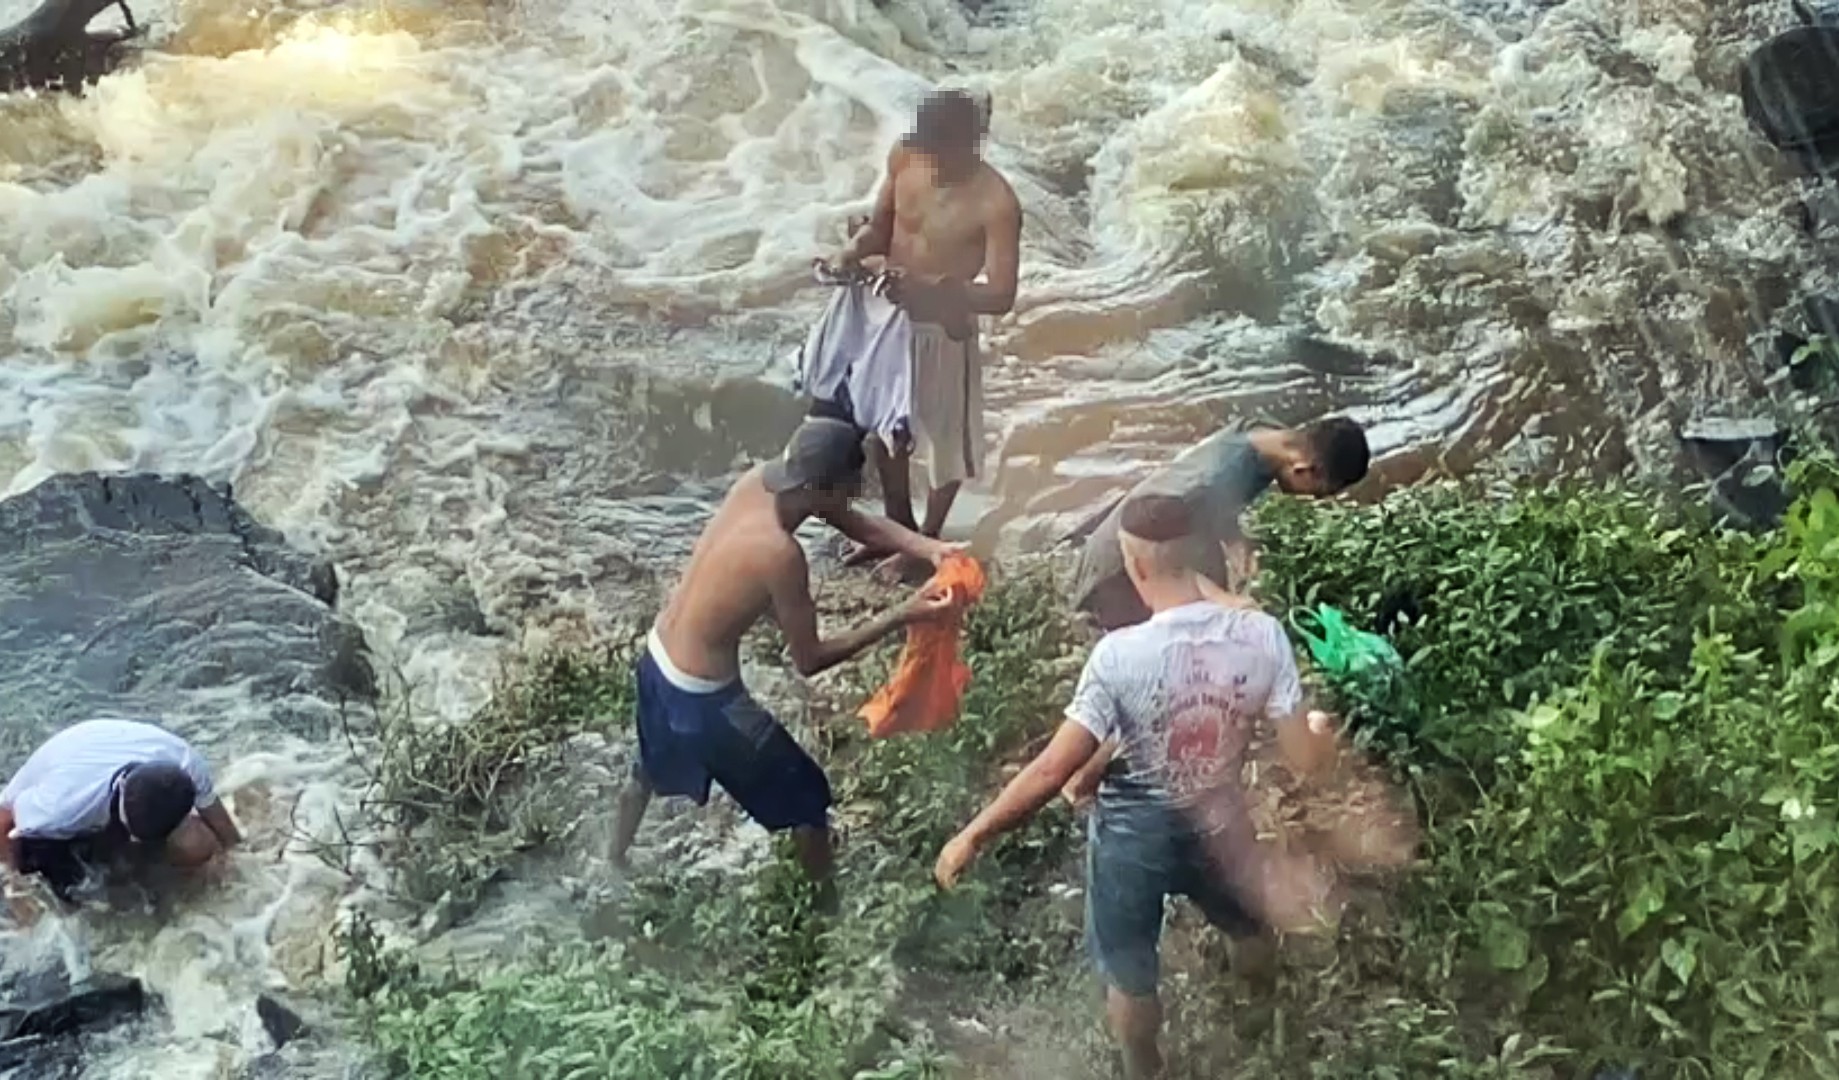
[697,723]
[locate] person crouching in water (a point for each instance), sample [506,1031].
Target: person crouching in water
[1181,693]
[107,792]
[697,723]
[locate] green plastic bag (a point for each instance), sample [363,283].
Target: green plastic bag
[1344,652]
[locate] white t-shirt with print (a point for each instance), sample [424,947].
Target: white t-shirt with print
[63,789]
[1183,693]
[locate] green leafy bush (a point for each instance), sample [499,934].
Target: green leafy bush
[1506,595]
[1639,868]
[456,801]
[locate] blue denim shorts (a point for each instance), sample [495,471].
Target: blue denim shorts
[688,740]
[1136,856]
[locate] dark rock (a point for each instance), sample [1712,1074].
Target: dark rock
[38,1058]
[103,1001]
[1822,315]
[1742,457]
[53,49]
[123,592]
[1820,210]
[1785,346]
[1790,88]
[1324,357]
[40,1011]
[282,1023]
[1815,14]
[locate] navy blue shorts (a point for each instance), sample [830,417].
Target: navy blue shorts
[687,740]
[1134,858]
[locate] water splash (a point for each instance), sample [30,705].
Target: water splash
[485,300]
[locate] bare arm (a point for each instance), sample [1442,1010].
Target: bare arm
[1032,788]
[218,819]
[1084,783]
[1002,259]
[881,534]
[1308,741]
[874,237]
[797,617]
[9,849]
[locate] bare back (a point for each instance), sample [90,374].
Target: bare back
[728,584]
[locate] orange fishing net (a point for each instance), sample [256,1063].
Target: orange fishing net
[930,678]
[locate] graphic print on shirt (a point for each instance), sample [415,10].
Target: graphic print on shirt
[1205,725]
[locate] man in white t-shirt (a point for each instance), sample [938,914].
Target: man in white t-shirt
[1180,694]
[106,789]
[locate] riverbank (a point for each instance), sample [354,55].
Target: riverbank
[1617,726]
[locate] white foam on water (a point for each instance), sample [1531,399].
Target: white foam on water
[380,267]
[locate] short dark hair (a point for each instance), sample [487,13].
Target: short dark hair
[1340,451]
[1159,519]
[947,118]
[155,798]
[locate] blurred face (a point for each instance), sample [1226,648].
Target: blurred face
[1301,477]
[949,132]
[954,161]
[832,499]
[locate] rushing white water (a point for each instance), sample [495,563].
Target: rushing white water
[485,301]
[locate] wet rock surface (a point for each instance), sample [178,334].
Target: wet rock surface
[1790,87]
[122,593]
[52,48]
[279,1020]
[158,597]
[41,1010]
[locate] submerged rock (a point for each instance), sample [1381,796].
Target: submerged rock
[281,1023]
[122,593]
[1790,87]
[47,1011]
[40,1011]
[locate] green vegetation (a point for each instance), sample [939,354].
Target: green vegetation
[1620,726]
[455,802]
[747,981]
[1617,722]
[1815,365]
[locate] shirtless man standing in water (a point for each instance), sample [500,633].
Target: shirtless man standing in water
[696,721]
[942,219]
